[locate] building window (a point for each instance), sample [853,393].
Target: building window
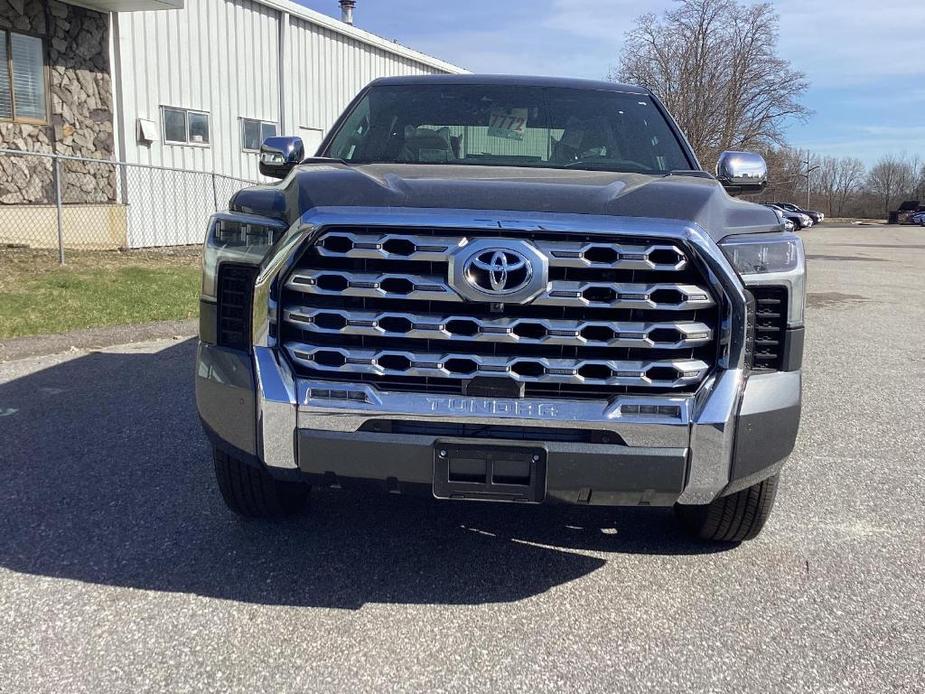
[22,78]
[254,132]
[185,127]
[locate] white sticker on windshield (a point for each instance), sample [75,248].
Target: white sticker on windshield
[511,124]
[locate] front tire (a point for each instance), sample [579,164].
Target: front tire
[733,518]
[252,493]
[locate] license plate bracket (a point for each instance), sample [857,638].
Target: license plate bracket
[497,473]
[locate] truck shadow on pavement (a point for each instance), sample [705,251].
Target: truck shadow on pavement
[106,478]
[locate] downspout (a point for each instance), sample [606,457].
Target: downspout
[119,130]
[119,135]
[283,70]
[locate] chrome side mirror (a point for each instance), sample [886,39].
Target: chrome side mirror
[278,155]
[742,172]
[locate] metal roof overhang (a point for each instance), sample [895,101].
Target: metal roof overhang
[128,5]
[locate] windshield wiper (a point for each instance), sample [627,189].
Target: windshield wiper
[325,160]
[693,173]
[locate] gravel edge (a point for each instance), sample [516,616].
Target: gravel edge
[91,338]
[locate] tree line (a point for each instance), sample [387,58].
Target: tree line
[844,186]
[716,67]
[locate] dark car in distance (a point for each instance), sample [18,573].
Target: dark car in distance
[814,215]
[800,220]
[909,212]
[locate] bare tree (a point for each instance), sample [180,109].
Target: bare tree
[917,189]
[714,64]
[840,178]
[786,179]
[891,178]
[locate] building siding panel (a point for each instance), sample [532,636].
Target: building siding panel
[217,56]
[222,57]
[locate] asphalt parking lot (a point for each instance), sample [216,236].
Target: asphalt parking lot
[120,569]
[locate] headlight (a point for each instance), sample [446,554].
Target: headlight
[771,259]
[238,238]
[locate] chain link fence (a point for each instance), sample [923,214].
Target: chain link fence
[66,203]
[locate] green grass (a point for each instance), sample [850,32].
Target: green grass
[48,299]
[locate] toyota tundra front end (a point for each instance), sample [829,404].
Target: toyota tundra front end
[504,289]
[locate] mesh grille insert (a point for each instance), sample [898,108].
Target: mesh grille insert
[770,327]
[235,294]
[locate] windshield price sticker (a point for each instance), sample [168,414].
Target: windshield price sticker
[510,124]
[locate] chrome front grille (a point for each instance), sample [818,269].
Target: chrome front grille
[388,285]
[378,306]
[527,331]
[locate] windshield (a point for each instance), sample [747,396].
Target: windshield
[509,126]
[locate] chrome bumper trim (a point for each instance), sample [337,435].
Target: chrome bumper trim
[349,414]
[276,410]
[712,439]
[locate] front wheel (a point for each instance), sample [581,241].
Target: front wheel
[734,518]
[251,492]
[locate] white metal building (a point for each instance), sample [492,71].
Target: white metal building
[199,87]
[156,89]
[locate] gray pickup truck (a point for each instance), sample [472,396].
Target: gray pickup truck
[509,289]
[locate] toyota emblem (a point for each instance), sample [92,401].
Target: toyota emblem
[498,270]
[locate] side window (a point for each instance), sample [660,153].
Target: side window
[353,132]
[174,125]
[185,127]
[254,132]
[267,130]
[198,128]
[23,94]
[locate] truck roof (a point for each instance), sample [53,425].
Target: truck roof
[512,80]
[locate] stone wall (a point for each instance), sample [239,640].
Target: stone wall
[80,121]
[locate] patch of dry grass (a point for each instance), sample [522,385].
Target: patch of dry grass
[95,288]
[21,264]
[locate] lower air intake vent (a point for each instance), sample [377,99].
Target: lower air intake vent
[235,292]
[770,327]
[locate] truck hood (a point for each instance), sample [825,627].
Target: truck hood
[687,197]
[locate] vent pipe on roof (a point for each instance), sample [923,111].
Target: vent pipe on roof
[346,10]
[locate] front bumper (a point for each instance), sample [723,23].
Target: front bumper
[693,451]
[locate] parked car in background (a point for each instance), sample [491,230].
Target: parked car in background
[789,226]
[918,218]
[800,220]
[815,215]
[906,212]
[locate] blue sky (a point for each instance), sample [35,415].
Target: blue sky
[865,59]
